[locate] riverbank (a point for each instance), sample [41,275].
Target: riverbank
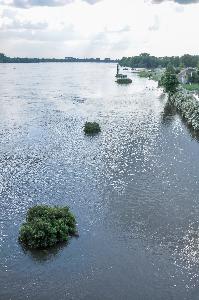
[188,106]
[155,74]
[185,101]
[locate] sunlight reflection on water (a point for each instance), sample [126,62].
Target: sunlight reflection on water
[133,187]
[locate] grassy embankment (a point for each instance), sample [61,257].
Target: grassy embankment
[183,100]
[191,87]
[155,74]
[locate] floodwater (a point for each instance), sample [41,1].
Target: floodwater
[133,188]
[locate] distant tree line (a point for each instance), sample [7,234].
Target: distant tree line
[6,59]
[145,60]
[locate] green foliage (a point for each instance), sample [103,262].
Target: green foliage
[155,74]
[144,74]
[7,59]
[145,60]
[91,128]
[181,66]
[124,80]
[169,81]
[191,87]
[170,69]
[45,226]
[121,76]
[188,106]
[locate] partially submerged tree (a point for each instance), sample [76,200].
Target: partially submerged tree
[169,81]
[45,226]
[91,128]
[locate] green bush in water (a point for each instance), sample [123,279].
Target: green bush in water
[45,226]
[124,80]
[91,128]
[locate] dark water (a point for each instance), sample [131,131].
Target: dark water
[134,188]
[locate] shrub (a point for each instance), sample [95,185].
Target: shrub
[91,128]
[124,80]
[45,226]
[188,106]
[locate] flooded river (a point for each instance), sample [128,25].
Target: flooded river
[133,188]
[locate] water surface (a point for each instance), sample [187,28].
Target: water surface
[133,188]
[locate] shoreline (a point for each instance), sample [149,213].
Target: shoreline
[188,106]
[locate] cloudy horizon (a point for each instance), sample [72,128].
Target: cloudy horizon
[98,28]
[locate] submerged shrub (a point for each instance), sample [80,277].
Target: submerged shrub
[91,128]
[124,80]
[45,226]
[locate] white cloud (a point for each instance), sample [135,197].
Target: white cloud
[112,28]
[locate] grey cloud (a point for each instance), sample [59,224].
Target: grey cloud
[177,1]
[92,1]
[37,32]
[30,3]
[11,21]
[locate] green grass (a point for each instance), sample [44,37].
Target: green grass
[156,75]
[144,74]
[151,74]
[191,87]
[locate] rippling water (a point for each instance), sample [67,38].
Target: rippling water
[133,188]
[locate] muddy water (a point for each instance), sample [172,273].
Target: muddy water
[133,188]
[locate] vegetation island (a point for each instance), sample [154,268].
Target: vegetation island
[91,128]
[46,226]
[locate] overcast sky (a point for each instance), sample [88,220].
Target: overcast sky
[98,28]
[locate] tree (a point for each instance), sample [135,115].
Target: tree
[145,60]
[45,226]
[170,69]
[169,81]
